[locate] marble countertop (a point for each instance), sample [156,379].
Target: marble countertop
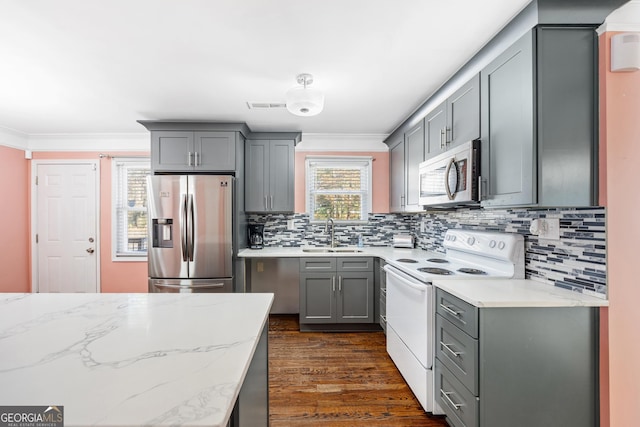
[383,252]
[129,359]
[516,293]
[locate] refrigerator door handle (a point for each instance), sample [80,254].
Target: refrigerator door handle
[191,221]
[183,228]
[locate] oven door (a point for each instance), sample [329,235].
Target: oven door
[451,177]
[410,313]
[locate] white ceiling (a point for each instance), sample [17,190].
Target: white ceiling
[97,66]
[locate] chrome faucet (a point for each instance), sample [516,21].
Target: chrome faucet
[326,230]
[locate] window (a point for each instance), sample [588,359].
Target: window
[129,208]
[338,187]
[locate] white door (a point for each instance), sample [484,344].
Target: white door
[66,227]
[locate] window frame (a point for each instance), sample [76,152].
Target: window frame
[115,188]
[351,161]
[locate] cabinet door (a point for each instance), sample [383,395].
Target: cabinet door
[216,151]
[508,156]
[355,298]
[256,175]
[397,178]
[463,113]
[414,146]
[317,298]
[435,123]
[281,176]
[172,151]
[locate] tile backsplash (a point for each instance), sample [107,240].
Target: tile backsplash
[577,261]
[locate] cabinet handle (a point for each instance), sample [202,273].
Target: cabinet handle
[189,161]
[266,206]
[333,280]
[401,201]
[271,199]
[450,311]
[442,139]
[339,283]
[447,133]
[479,188]
[196,157]
[445,395]
[446,347]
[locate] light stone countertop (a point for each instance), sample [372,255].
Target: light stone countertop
[490,293]
[516,293]
[384,252]
[129,359]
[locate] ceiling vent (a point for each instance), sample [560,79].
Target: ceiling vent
[266,105]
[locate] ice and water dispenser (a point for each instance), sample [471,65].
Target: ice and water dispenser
[162,235]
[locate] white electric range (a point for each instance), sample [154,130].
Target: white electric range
[411,298]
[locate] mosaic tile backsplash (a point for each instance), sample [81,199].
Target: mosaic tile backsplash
[577,261]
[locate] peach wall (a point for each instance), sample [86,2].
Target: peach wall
[114,276]
[380,179]
[620,137]
[14,221]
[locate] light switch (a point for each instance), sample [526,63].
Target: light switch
[291,224]
[260,266]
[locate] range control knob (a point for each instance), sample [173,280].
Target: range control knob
[501,245]
[471,240]
[492,244]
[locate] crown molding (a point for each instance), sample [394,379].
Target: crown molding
[625,18]
[90,142]
[342,142]
[13,138]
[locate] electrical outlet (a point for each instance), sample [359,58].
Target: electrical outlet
[423,226]
[291,224]
[546,228]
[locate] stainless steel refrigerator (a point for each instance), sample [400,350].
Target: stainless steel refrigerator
[190,233]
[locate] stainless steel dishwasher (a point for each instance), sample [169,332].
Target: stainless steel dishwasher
[280,276]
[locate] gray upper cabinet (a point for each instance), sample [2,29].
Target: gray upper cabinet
[455,120]
[463,113]
[539,120]
[397,177]
[406,156]
[269,173]
[184,151]
[414,147]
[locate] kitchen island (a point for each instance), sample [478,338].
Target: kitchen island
[137,359]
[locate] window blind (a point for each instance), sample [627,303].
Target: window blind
[339,188]
[130,207]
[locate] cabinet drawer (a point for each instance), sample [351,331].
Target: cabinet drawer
[355,264]
[460,405]
[458,352]
[317,264]
[460,313]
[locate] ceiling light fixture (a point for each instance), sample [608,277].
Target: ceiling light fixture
[303,100]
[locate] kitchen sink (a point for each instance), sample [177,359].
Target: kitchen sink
[331,250]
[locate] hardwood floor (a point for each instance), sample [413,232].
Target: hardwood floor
[337,379]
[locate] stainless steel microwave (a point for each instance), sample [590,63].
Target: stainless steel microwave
[451,178]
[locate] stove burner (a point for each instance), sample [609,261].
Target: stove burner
[438,260]
[471,271]
[407,260]
[432,270]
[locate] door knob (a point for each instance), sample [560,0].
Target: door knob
[90,250]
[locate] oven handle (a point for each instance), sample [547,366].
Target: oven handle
[406,279]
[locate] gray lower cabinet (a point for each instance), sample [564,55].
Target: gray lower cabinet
[516,366]
[539,120]
[199,151]
[336,290]
[269,174]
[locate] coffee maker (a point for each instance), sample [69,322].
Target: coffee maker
[256,236]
